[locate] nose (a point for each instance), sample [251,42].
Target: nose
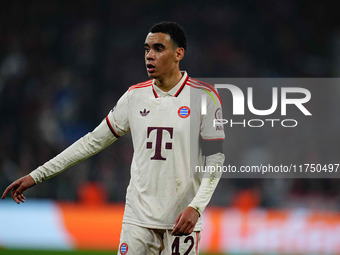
[149,55]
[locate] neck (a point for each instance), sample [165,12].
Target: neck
[167,83]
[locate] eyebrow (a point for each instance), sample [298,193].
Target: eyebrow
[155,45]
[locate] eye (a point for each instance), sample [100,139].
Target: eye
[159,49]
[146,50]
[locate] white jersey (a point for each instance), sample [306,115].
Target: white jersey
[166,128]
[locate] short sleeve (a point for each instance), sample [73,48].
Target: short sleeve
[117,119]
[211,129]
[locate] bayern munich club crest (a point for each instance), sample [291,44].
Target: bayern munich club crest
[184,112]
[123,248]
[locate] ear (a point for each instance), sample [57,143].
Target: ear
[179,54]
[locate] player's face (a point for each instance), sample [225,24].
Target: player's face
[161,57]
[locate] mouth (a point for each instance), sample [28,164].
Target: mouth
[150,68]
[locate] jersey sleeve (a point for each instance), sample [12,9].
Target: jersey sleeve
[211,129]
[209,183]
[117,119]
[82,149]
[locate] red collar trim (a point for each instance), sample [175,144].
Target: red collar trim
[154,92]
[181,88]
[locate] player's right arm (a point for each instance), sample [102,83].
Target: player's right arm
[109,130]
[85,147]
[82,149]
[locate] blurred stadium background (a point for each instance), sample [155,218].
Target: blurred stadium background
[64,64]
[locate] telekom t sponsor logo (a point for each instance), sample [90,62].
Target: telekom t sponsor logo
[158,143]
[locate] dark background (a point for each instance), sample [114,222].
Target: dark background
[64,64]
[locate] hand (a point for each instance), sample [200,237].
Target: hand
[185,222]
[18,187]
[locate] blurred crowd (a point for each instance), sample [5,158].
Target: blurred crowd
[64,64]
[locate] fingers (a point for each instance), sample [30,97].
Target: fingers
[21,198]
[8,189]
[16,189]
[20,190]
[177,220]
[15,196]
[18,194]
[176,225]
[183,227]
[185,222]
[5,193]
[189,229]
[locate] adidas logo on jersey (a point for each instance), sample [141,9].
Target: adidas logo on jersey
[144,113]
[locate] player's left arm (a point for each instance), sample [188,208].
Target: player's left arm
[187,219]
[213,137]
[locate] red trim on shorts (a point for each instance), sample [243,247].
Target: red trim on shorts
[197,241]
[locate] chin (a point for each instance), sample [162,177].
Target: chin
[152,75]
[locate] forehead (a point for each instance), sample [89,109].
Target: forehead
[157,38]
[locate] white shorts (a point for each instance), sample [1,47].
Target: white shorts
[136,240]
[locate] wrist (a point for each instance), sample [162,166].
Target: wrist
[197,209]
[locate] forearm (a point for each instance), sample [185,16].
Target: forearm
[209,183]
[82,149]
